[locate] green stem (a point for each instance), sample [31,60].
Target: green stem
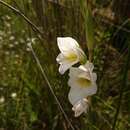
[28,21]
[123,85]
[89,26]
[50,87]
[34,27]
[90,55]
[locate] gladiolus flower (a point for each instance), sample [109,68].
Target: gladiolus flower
[82,82]
[71,53]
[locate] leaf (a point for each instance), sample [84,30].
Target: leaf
[89,25]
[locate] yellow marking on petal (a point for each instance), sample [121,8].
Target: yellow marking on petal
[84,82]
[71,57]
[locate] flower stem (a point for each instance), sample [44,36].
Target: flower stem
[88,25]
[90,55]
[50,87]
[34,27]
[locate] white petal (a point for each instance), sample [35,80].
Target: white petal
[74,72]
[60,58]
[90,90]
[80,53]
[65,65]
[71,82]
[85,75]
[74,96]
[82,67]
[67,43]
[80,107]
[94,75]
[63,68]
[87,67]
[77,93]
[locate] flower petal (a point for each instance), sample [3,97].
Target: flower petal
[74,96]
[80,107]
[90,90]
[65,65]
[94,75]
[87,67]
[74,72]
[81,55]
[77,76]
[67,43]
[85,75]
[60,58]
[77,93]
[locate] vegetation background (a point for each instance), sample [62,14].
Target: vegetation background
[26,102]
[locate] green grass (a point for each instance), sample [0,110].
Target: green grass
[34,107]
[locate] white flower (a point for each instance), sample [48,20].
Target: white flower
[2,99]
[82,82]
[13,95]
[71,53]
[12,38]
[80,107]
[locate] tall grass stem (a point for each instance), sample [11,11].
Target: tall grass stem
[89,26]
[34,27]
[50,87]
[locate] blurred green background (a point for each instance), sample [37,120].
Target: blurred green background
[26,103]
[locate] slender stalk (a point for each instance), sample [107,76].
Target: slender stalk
[50,87]
[89,26]
[34,27]
[121,26]
[123,85]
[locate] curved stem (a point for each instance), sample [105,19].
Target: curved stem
[34,27]
[50,87]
